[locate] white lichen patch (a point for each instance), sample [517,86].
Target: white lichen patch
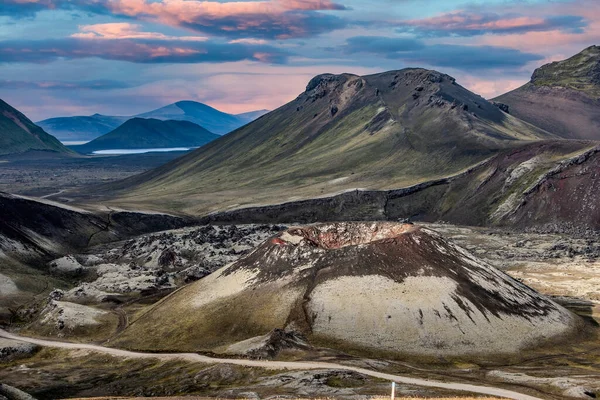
[7,286]
[508,206]
[523,169]
[63,314]
[66,264]
[420,315]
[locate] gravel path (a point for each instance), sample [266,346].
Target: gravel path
[279,365]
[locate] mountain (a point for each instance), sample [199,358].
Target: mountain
[82,128]
[93,126]
[377,286]
[19,135]
[141,133]
[344,132]
[562,97]
[210,118]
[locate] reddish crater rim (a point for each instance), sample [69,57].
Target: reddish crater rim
[344,234]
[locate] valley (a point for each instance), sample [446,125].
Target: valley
[45,174]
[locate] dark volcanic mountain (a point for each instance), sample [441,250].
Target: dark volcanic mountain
[562,97]
[81,128]
[431,298]
[140,133]
[345,131]
[19,135]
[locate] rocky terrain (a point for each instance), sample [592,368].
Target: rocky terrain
[33,232]
[159,261]
[319,281]
[562,97]
[552,263]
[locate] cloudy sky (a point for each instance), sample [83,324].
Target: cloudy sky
[122,57]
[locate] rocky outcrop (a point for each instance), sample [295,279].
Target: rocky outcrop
[11,349]
[12,393]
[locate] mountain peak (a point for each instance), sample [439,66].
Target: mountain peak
[580,72]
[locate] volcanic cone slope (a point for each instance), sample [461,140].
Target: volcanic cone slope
[384,286]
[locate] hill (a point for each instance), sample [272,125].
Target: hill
[19,135]
[140,133]
[81,128]
[345,131]
[317,282]
[562,97]
[210,118]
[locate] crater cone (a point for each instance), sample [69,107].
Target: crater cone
[386,286]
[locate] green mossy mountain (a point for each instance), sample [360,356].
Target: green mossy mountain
[19,135]
[345,131]
[562,97]
[141,133]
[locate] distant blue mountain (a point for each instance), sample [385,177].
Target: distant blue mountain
[93,126]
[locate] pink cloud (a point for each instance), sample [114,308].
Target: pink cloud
[479,22]
[125,30]
[556,44]
[269,18]
[461,20]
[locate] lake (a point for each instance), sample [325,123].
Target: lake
[139,151]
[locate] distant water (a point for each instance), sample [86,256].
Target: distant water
[139,151]
[74,142]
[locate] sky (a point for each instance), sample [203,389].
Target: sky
[124,57]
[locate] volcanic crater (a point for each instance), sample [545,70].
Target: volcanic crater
[385,286]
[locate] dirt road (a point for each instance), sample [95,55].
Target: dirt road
[278,365]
